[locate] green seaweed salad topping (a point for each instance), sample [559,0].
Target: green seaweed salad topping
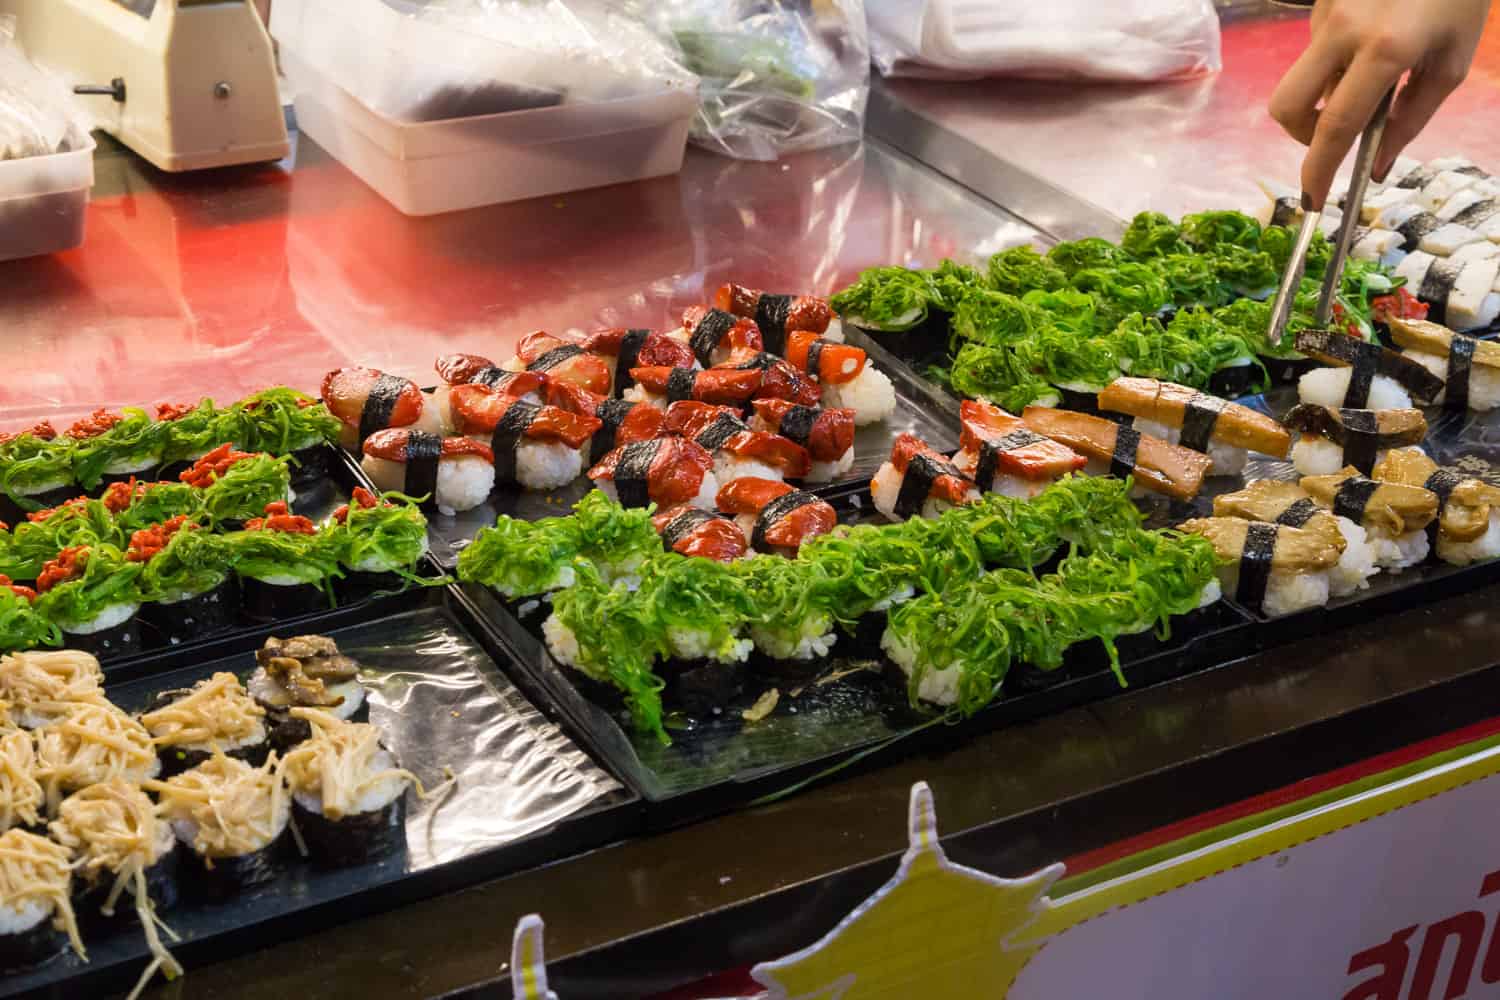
[1175,301]
[269,555]
[22,626]
[135,441]
[193,433]
[245,488]
[103,578]
[388,536]
[30,464]
[279,421]
[193,562]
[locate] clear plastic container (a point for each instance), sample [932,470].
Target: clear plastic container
[43,202]
[443,166]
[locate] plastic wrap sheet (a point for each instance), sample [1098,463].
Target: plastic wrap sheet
[441,706]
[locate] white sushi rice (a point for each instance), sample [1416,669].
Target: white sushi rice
[377,563]
[1227,459]
[21,919]
[940,687]
[835,332]
[698,644]
[896,598]
[1484,382]
[870,395]
[827,472]
[708,491]
[282,579]
[1286,593]
[1357,562]
[885,488]
[263,689]
[1213,592]
[638,394]
[562,643]
[1395,554]
[545,465]
[1327,386]
[811,641]
[1486,546]
[1003,483]
[463,481]
[1318,456]
[107,618]
[731,467]
[374,796]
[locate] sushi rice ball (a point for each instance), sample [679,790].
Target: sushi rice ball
[812,641]
[1484,382]
[1486,546]
[869,394]
[708,489]
[728,468]
[1394,554]
[463,481]
[886,486]
[1314,455]
[1327,387]
[1286,592]
[1356,563]
[938,687]
[1227,459]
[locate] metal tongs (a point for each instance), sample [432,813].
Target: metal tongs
[1286,295]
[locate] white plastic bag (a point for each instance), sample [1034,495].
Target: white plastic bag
[38,116]
[777,76]
[1126,40]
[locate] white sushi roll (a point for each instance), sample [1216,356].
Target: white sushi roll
[1484,382]
[869,394]
[1394,554]
[561,641]
[1396,214]
[1379,245]
[938,687]
[1356,563]
[1328,386]
[1468,307]
[1377,202]
[1466,199]
[1227,459]
[1447,238]
[1486,546]
[701,644]
[1475,252]
[813,641]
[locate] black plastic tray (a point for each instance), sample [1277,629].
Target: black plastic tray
[441,699]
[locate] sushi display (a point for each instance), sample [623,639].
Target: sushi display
[1226,432]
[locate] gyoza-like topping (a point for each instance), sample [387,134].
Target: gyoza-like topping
[342,763]
[218,709]
[90,744]
[231,807]
[34,870]
[20,794]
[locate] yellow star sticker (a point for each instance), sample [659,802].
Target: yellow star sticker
[936,930]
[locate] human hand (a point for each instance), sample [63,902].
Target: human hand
[1359,50]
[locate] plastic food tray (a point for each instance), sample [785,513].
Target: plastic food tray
[443,166]
[44,201]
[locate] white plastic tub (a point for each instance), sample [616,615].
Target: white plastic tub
[43,202]
[431,167]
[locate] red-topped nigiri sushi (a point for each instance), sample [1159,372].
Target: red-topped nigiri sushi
[779,315]
[622,421]
[457,473]
[713,334]
[918,479]
[665,471]
[473,369]
[724,386]
[827,434]
[776,517]
[534,445]
[737,450]
[366,400]
[626,349]
[540,351]
[780,379]
[1002,455]
[847,380]
[691,531]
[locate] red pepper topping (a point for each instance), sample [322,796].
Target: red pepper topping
[363,497]
[43,429]
[94,424]
[17,589]
[42,515]
[119,496]
[68,564]
[208,469]
[278,518]
[147,542]
[1400,304]
[4,527]
[173,411]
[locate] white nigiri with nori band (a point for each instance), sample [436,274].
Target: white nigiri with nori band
[1276,569]
[1331,439]
[1275,501]
[1366,365]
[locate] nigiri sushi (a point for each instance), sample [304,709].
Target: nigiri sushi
[665,471]
[627,349]
[918,480]
[779,378]
[1271,567]
[724,386]
[540,351]
[777,518]
[365,401]
[1274,501]
[472,369]
[1470,368]
[1458,289]
[779,315]
[457,473]
[534,446]
[713,335]
[847,379]
[1395,516]
[738,451]
[1226,432]
[692,531]
[1368,376]
[1157,466]
[623,422]
[1421,230]
[1333,438]
[1002,455]
[827,434]
[1467,528]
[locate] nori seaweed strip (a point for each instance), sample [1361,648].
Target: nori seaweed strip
[764,360]
[375,415]
[724,427]
[1353,496]
[1361,379]
[709,331]
[1255,564]
[1437,285]
[1478,213]
[630,349]
[1298,514]
[1443,483]
[814,359]
[1284,212]
[685,524]
[1472,170]
[506,438]
[680,384]
[1419,177]
[1198,419]
[1361,439]
[613,413]
[989,453]
[424,451]
[1127,441]
[779,508]
[916,483]
[1418,226]
[633,473]
[1460,365]
[770,315]
[495,378]
[1352,351]
[797,424]
[554,357]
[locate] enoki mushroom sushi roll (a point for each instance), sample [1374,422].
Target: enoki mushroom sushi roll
[457,473]
[737,450]
[537,447]
[1156,465]
[713,335]
[918,480]
[779,315]
[692,531]
[1278,502]
[365,401]
[1226,432]
[348,793]
[1469,368]
[1330,439]
[561,360]
[36,910]
[827,434]
[776,517]
[847,378]
[1365,376]
[122,850]
[44,686]
[232,818]
[626,349]
[189,725]
[90,744]
[1002,455]
[21,797]
[1273,568]
[664,471]
[305,671]
[1395,516]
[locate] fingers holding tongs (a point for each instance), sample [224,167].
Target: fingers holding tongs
[1291,280]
